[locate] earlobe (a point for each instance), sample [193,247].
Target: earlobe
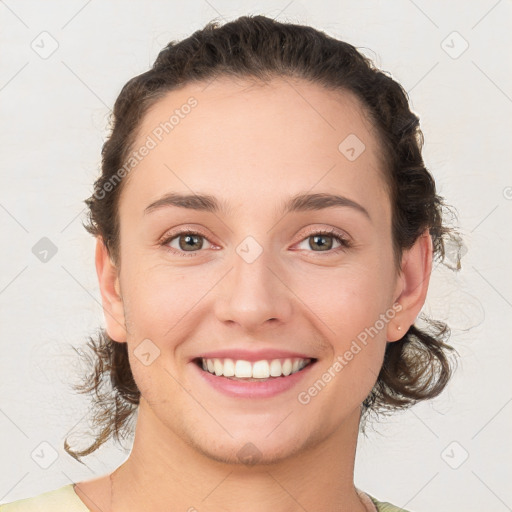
[412,285]
[110,293]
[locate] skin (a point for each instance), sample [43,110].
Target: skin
[294,296]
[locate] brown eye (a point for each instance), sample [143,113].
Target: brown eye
[323,241]
[188,242]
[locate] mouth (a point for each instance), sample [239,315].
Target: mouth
[256,371]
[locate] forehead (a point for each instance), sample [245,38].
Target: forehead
[240,140]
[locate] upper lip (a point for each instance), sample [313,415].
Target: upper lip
[252,355]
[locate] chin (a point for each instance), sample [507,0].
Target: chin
[257,447]
[249,454]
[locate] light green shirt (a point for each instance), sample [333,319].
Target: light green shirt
[65,499]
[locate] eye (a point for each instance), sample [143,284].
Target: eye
[321,239]
[187,240]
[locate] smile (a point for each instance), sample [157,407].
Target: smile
[263,369]
[259,379]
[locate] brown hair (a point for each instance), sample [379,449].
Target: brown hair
[256,47]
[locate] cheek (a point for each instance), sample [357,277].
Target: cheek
[355,312]
[160,298]
[354,324]
[348,300]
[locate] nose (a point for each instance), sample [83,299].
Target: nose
[254,294]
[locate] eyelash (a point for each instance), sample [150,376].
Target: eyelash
[344,242]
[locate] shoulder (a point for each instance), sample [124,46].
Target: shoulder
[381,506]
[63,499]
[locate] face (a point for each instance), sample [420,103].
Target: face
[254,276]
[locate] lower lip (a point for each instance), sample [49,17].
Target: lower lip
[253,389]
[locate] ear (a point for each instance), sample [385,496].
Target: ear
[412,285]
[110,293]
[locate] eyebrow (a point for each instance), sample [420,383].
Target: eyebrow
[297,203]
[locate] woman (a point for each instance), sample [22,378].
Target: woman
[266,230]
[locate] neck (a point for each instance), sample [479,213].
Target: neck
[164,472]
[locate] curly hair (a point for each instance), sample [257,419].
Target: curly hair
[417,366]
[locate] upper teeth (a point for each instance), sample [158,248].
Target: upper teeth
[257,370]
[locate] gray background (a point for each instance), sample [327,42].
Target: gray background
[450,454]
